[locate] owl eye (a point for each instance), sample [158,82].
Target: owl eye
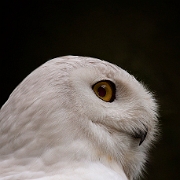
[105,90]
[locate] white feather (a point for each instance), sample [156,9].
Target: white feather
[53,126]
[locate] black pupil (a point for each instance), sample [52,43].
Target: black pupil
[101,91]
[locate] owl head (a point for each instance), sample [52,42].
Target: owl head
[81,109]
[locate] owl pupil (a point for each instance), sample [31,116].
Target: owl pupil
[101,91]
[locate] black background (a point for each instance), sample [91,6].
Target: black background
[140,36]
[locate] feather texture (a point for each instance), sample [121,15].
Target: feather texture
[53,126]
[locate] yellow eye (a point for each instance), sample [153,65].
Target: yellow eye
[105,90]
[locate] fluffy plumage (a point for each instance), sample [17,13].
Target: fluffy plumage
[54,126]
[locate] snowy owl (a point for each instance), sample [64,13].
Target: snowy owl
[77,118]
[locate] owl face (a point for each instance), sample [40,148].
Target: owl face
[85,108]
[113,98]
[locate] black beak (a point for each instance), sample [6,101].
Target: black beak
[140,135]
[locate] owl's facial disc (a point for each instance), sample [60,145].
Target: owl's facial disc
[106,91]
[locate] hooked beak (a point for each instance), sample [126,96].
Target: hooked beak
[141,134]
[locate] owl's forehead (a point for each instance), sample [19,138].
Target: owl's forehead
[70,63]
[91,69]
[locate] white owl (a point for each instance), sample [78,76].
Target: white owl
[77,118]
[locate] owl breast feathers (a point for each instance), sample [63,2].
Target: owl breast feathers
[77,118]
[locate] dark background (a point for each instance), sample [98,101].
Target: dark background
[143,37]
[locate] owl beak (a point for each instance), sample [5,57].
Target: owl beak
[141,134]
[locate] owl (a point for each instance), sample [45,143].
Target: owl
[77,118]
